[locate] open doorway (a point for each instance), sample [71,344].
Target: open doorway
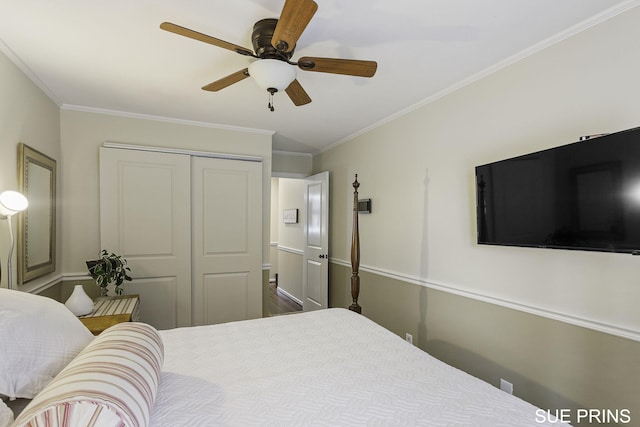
[299,239]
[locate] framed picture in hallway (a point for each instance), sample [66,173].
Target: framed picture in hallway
[290,216]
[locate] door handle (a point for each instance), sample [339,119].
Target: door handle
[323,256]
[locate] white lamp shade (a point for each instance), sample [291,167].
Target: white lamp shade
[272,74]
[12,202]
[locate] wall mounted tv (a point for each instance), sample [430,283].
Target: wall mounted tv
[584,195]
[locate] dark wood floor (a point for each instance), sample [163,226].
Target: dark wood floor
[279,303]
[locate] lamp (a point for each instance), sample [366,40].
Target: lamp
[272,75]
[11,202]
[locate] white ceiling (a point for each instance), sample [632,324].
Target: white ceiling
[111,56]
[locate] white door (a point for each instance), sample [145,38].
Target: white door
[145,215]
[315,270]
[227,240]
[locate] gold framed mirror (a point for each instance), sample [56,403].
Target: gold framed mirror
[37,224]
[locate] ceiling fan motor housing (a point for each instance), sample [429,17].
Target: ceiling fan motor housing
[261,40]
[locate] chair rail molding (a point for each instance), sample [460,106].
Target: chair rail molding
[527,308]
[290,250]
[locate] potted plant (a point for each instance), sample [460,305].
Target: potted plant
[109,269]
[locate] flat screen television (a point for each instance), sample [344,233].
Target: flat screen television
[584,195]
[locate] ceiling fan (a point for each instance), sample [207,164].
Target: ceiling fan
[274,41]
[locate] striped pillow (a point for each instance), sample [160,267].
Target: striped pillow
[112,382]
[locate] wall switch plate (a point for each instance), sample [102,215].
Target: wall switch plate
[506,386]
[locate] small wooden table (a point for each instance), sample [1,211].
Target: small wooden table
[111,311]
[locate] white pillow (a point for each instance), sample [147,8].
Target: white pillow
[6,415]
[38,337]
[112,383]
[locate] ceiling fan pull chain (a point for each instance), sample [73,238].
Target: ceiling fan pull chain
[270,106]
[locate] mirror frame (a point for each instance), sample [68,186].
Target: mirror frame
[28,159]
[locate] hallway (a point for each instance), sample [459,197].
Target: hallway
[279,303]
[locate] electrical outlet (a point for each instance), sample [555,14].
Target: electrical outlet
[409,338]
[506,386]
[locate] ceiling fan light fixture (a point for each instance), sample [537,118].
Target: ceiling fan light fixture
[272,74]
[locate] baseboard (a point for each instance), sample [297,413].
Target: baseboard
[42,285]
[288,295]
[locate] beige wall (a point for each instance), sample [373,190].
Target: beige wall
[290,274]
[419,172]
[273,230]
[291,236]
[289,164]
[553,364]
[27,115]
[82,134]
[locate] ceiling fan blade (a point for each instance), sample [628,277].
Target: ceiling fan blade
[350,67]
[294,18]
[182,31]
[227,81]
[297,94]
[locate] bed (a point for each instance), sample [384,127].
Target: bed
[329,368]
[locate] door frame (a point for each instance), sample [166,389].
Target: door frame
[286,248]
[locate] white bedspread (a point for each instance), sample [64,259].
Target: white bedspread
[328,368]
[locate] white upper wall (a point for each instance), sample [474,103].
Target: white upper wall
[26,115]
[419,172]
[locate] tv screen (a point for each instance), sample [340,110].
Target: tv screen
[585,195]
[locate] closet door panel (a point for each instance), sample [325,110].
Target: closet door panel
[227,240]
[235,288]
[160,296]
[225,203]
[146,221]
[145,216]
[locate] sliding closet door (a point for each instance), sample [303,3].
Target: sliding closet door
[227,240]
[145,215]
